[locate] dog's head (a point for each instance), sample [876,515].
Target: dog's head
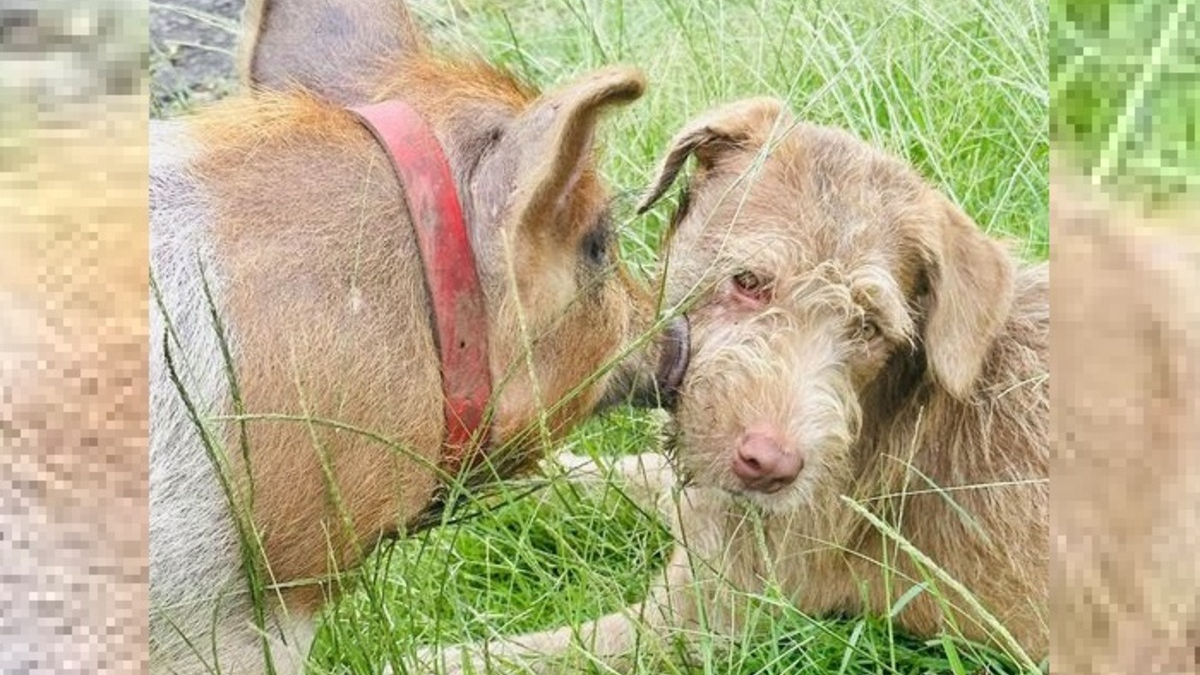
[824,282]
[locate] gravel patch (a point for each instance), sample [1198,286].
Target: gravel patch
[192,44]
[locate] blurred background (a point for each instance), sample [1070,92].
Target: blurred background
[1125,93]
[1125,124]
[72,336]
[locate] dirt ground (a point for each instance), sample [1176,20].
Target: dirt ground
[192,44]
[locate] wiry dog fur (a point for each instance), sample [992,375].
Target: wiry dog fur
[276,221]
[1126,527]
[845,308]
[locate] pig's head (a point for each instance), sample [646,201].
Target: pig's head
[561,309]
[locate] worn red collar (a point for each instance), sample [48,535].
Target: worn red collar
[459,313]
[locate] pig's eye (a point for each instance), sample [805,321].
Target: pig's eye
[595,246]
[751,286]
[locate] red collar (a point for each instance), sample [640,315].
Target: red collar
[459,313]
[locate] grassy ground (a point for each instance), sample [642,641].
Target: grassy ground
[959,89]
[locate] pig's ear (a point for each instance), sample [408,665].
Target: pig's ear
[736,126]
[332,47]
[561,126]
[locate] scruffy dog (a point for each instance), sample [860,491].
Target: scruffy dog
[860,352]
[1125,584]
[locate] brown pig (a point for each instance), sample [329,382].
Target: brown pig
[296,386]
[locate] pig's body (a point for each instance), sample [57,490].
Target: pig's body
[193,535]
[282,208]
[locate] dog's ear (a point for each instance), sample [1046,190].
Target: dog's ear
[972,284]
[557,134]
[739,125]
[332,47]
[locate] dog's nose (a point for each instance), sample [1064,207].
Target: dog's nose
[763,464]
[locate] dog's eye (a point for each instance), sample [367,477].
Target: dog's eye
[681,211]
[752,286]
[868,330]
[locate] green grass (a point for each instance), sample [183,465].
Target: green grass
[958,89]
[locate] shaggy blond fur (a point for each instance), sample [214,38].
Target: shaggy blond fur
[896,348]
[1126,526]
[280,206]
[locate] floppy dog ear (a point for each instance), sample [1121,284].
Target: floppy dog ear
[559,129]
[972,280]
[742,124]
[332,47]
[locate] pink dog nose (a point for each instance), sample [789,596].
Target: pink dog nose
[762,463]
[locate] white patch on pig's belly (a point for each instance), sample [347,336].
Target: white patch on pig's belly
[198,592]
